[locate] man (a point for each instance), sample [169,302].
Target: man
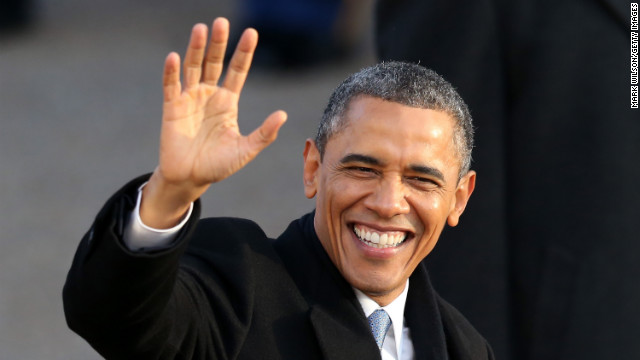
[389,167]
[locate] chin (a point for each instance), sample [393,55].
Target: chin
[372,285]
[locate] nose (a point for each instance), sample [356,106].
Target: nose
[388,199]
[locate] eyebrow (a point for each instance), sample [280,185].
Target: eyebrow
[422,169]
[427,170]
[360,158]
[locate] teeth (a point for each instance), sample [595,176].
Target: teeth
[377,240]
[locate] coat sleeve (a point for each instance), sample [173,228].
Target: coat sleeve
[160,304]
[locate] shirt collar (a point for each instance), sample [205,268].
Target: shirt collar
[395,310]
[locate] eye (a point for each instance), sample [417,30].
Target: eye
[421,179]
[361,171]
[423,182]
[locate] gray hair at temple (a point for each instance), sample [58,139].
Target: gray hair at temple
[407,84]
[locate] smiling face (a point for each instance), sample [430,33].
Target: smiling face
[386,186]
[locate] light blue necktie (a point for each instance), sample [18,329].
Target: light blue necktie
[379,321]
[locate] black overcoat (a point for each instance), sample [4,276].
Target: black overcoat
[226,291]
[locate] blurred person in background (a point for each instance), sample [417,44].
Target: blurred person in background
[303,33]
[552,240]
[15,15]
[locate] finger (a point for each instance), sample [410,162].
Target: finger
[171,77]
[261,137]
[241,61]
[215,54]
[195,53]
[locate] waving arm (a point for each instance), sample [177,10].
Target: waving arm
[200,141]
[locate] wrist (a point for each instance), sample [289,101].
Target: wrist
[164,204]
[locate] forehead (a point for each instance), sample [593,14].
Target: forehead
[384,127]
[369,114]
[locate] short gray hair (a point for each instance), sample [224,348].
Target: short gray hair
[407,84]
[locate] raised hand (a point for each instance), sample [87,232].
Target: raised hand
[200,141]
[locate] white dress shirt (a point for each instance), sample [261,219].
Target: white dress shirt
[394,347]
[138,236]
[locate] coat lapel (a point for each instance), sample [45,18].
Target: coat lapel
[422,315]
[438,330]
[340,340]
[337,318]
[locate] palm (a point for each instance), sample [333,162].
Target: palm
[193,131]
[200,140]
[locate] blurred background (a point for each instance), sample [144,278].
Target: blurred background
[544,263]
[80,108]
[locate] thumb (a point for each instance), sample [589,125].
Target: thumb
[261,137]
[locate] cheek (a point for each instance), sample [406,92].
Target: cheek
[432,219]
[343,192]
[431,212]
[426,204]
[333,199]
[341,195]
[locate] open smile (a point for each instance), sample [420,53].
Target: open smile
[379,239]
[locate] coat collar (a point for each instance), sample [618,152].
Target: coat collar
[338,320]
[423,318]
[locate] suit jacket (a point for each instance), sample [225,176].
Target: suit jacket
[226,291]
[551,235]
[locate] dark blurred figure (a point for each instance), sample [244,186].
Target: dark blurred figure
[300,33]
[15,15]
[546,261]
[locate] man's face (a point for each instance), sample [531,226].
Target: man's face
[389,176]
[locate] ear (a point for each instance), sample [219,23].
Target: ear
[311,165]
[466,185]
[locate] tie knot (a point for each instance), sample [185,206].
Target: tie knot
[379,321]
